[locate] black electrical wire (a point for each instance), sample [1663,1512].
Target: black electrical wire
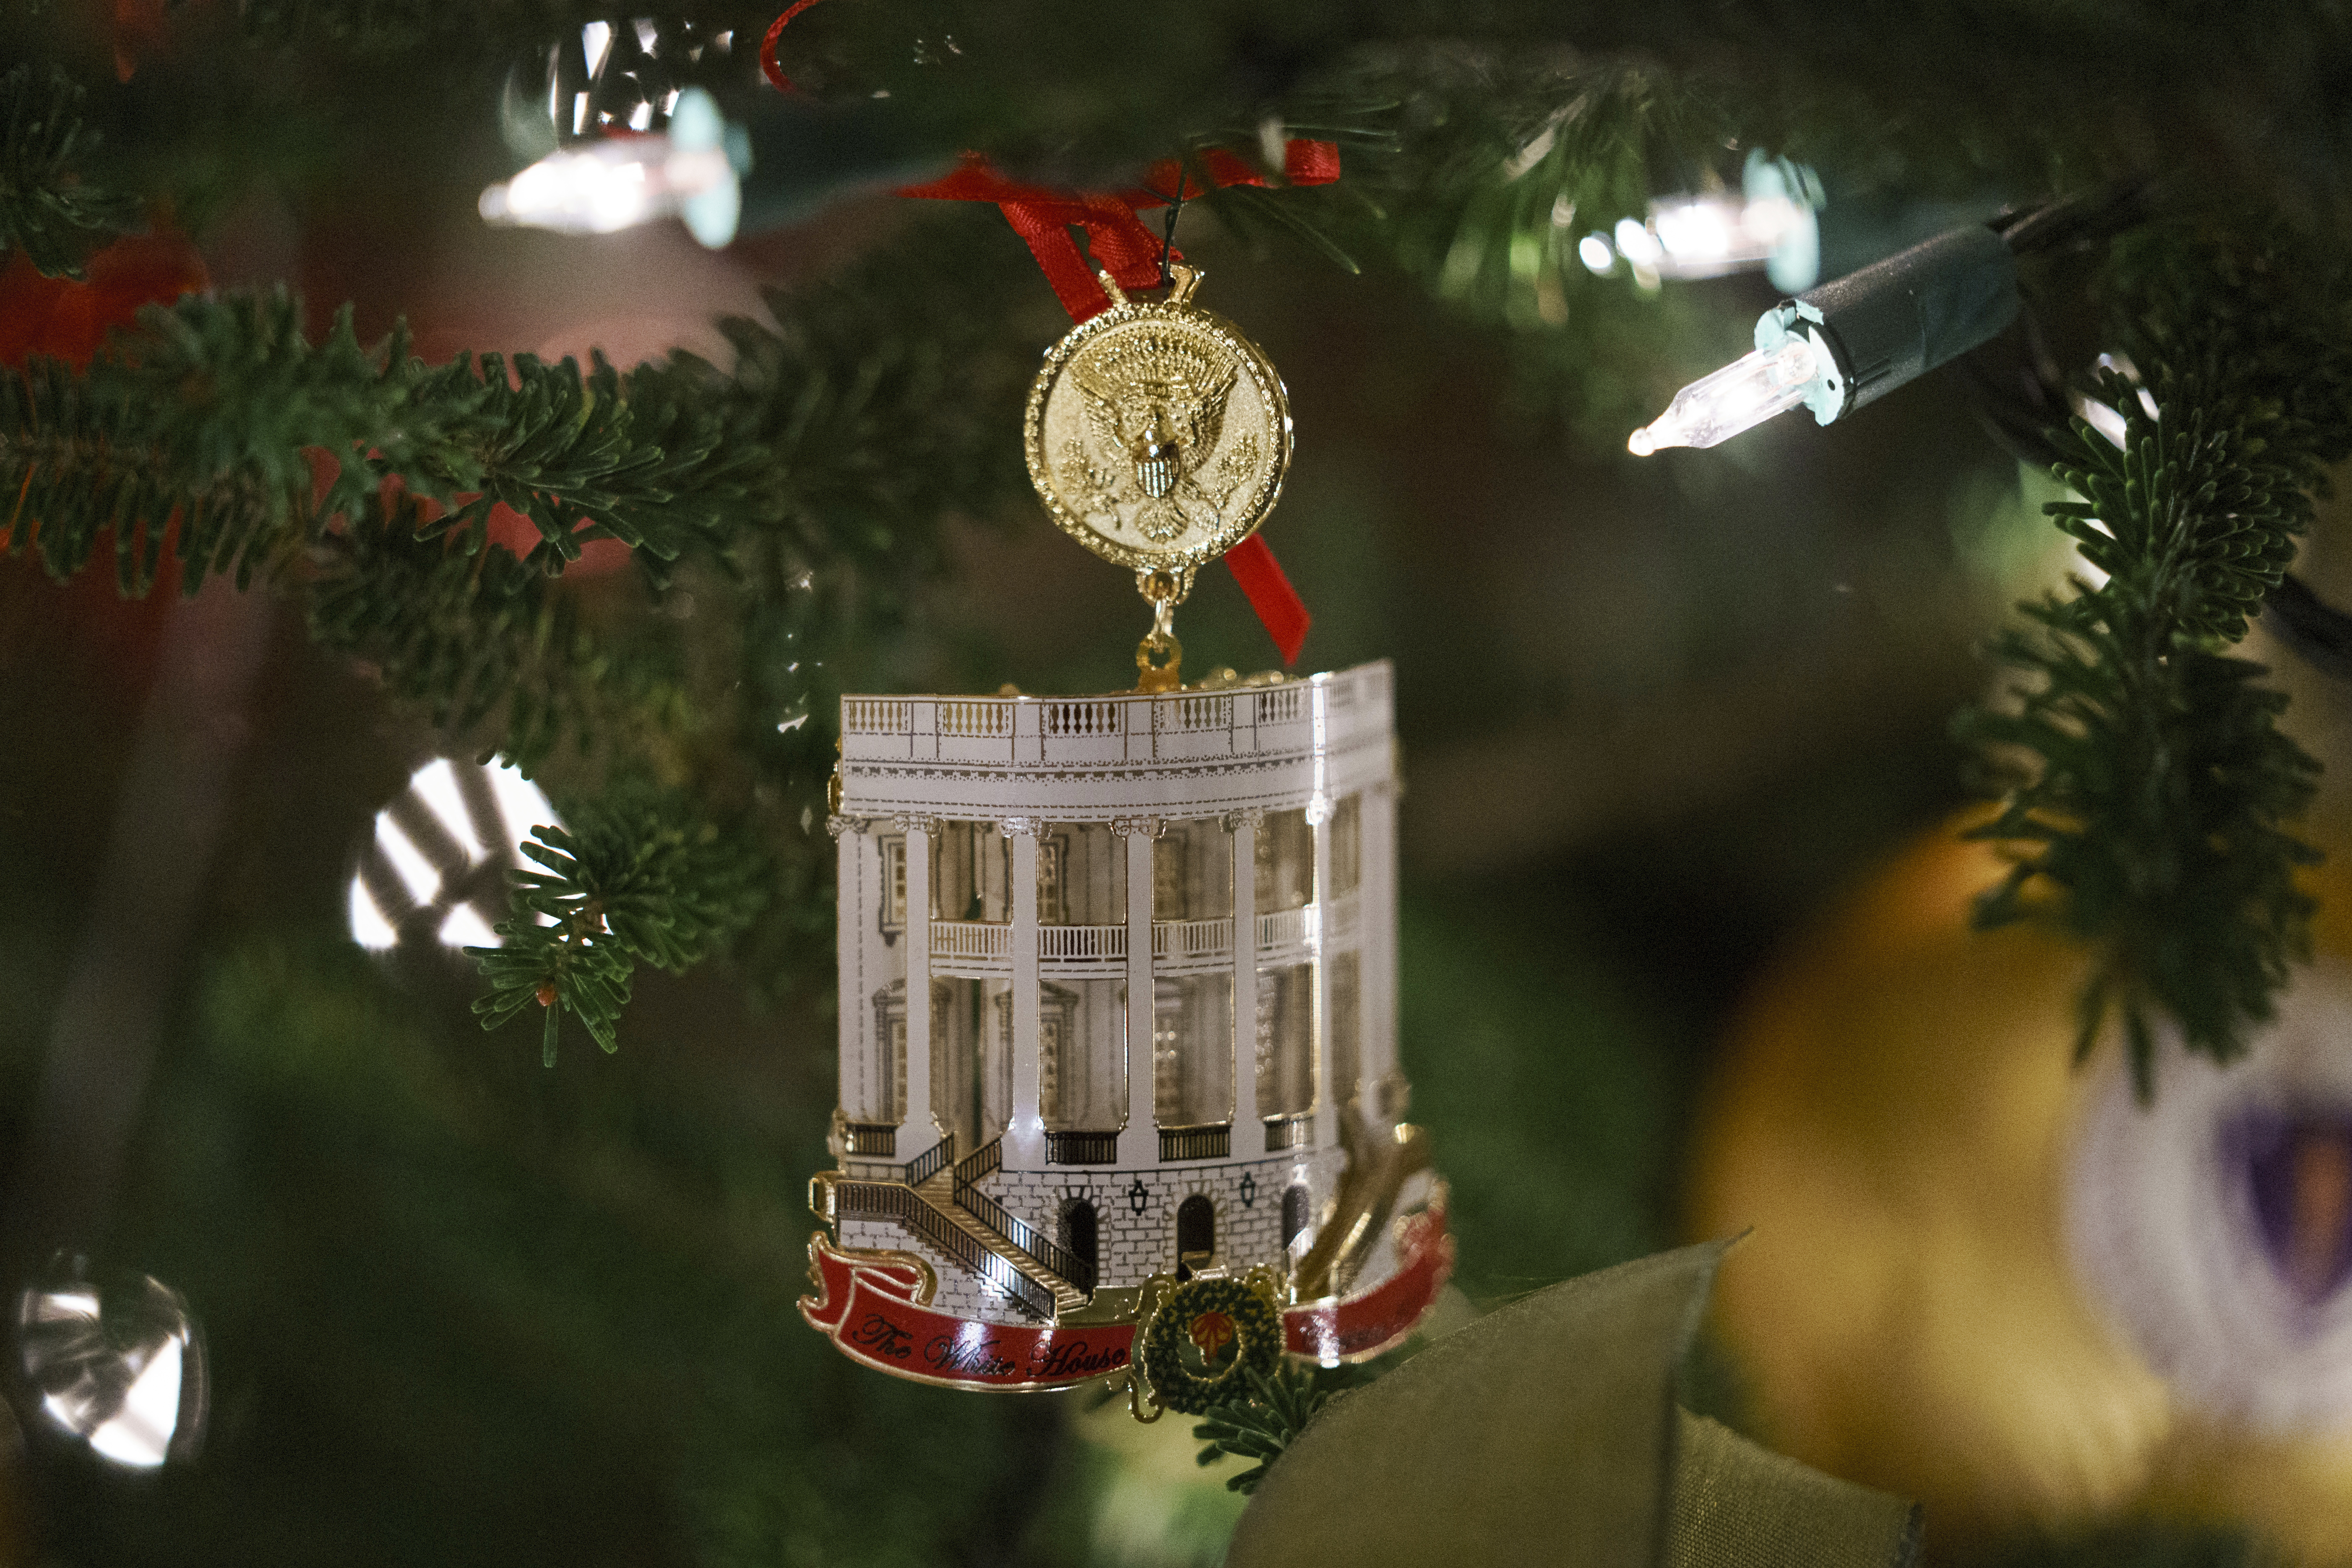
[2076,220]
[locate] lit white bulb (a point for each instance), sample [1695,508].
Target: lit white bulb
[1637,244]
[684,171]
[1739,397]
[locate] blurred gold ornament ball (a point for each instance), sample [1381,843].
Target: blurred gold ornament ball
[1987,1280]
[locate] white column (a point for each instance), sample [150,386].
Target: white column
[857,1005]
[1325,1103]
[1139,1141]
[1249,1132]
[1025,1133]
[919,1131]
[1376,921]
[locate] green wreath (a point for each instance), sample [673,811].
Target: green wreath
[1209,1314]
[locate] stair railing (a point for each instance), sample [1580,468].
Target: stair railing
[905,1207]
[1041,1248]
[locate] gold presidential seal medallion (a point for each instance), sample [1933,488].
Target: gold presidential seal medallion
[1158,435]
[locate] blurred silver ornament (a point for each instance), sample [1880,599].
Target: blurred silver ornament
[435,869]
[119,1366]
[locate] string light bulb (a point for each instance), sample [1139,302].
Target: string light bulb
[1847,343]
[692,169]
[1742,395]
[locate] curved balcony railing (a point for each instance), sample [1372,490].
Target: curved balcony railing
[971,939]
[1191,939]
[1288,928]
[1069,944]
[1022,733]
[990,943]
[1289,1133]
[1076,721]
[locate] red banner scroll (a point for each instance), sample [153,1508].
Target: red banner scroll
[1359,1328]
[870,1307]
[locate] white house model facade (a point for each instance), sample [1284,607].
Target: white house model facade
[1021,1141]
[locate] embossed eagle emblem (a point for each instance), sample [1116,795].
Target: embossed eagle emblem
[1155,422]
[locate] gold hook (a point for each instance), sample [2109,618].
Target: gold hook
[1159,657]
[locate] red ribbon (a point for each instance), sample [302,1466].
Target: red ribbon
[876,1312]
[768,62]
[1123,247]
[1120,245]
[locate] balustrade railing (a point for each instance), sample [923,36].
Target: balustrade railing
[1288,928]
[984,1161]
[1170,940]
[1200,713]
[1282,705]
[971,939]
[1289,1133]
[1042,1251]
[932,1162]
[866,1139]
[1191,939]
[985,719]
[877,716]
[1078,942]
[1081,1147]
[1267,721]
[1077,720]
[1195,1143]
[905,1207]
[984,940]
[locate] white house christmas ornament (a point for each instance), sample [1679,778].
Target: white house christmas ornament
[1119,1081]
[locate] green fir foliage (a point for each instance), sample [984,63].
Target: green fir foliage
[1500,199]
[209,410]
[639,879]
[2149,791]
[481,642]
[1265,1420]
[800,491]
[48,209]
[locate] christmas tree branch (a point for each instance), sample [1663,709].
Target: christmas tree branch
[641,876]
[467,637]
[799,494]
[2148,788]
[48,209]
[2159,786]
[1267,1419]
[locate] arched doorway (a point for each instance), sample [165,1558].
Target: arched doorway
[1080,1232]
[1293,1212]
[1196,1234]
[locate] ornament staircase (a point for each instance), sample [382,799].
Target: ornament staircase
[937,1201]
